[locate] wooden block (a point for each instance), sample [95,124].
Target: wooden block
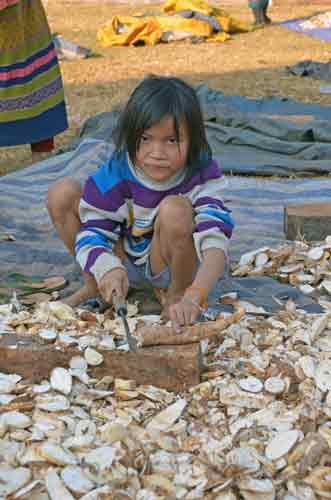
[174,368]
[311,221]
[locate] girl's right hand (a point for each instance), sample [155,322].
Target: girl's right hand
[115,281]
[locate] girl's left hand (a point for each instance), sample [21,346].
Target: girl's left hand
[184,313]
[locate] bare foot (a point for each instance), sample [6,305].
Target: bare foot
[83,294]
[161,295]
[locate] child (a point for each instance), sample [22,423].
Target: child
[154,212]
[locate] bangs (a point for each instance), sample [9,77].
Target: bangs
[154,99]
[163,102]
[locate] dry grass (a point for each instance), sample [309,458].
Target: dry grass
[250,64]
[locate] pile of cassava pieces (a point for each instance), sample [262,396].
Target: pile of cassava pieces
[257,427]
[319,21]
[305,266]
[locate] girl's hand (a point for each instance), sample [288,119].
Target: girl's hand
[116,281]
[184,313]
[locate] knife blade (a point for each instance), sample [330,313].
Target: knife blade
[121,310]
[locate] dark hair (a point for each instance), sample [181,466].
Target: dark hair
[154,98]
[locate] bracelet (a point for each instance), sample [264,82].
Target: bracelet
[202,292]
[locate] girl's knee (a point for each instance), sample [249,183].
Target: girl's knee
[176,216]
[63,195]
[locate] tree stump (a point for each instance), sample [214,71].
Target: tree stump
[309,221]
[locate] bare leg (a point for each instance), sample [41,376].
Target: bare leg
[62,203]
[173,245]
[37,156]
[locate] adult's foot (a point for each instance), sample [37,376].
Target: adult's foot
[266,19]
[258,17]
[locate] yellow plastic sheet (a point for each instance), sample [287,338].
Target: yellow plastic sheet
[131,30]
[145,31]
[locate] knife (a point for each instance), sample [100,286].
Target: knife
[121,310]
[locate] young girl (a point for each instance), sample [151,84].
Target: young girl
[154,212]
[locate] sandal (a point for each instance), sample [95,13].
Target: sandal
[33,290]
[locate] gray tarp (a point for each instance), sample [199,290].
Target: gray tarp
[257,206]
[270,136]
[314,69]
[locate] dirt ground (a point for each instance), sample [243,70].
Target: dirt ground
[250,64]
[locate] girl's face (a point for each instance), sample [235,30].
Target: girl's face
[160,155]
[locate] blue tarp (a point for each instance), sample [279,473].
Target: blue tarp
[267,136]
[257,206]
[320,33]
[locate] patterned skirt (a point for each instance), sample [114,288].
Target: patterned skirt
[32,104]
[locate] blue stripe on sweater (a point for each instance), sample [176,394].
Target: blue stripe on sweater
[112,173]
[224,216]
[96,240]
[139,246]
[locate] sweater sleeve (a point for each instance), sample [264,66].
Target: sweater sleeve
[213,222]
[103,210]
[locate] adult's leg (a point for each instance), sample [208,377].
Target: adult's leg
[256,7]
[267,19]
[173,246]
[63,207]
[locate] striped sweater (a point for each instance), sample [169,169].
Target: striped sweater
[119,201]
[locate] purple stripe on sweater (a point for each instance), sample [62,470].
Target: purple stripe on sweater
[207,200]
[147,197]
[213,171]
[212,224]
[111,201]
[150,198]
[92,257]
[106,224]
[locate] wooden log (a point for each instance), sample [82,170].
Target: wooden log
[309,221]
[174,368]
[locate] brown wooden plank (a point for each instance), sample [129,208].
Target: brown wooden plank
[311,221]
[171,367]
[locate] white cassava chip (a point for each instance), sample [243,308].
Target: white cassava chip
[281,444]
[56,488]
[16,420]
[76,480]
[167,417]
[54,403]
[323,376]
[93,357]
[61,380]
[12,479]
[274,385]
[251,384]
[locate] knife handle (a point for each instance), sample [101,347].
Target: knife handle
[119,304]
